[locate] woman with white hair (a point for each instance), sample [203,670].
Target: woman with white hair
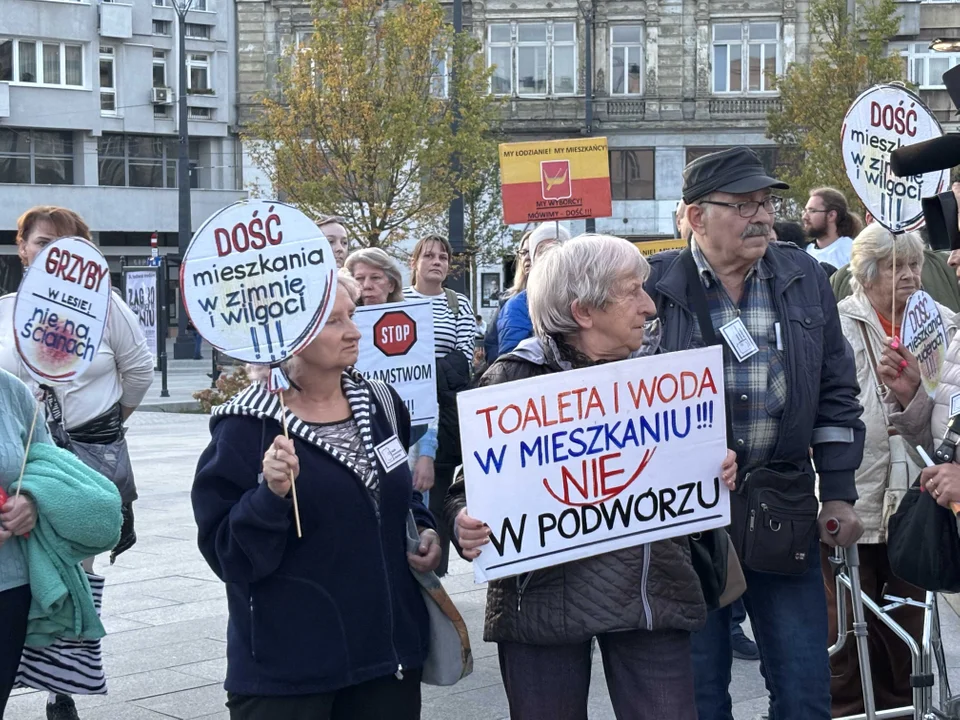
[377,274]
[513,322]
[889,466]
[588,307]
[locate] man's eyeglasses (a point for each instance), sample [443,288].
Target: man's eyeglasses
[750,208]
[811,211]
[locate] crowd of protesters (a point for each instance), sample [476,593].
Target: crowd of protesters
[828,403]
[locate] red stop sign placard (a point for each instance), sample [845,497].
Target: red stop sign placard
[394,333]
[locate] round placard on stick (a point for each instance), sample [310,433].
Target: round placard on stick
[258,281]
[61,310]
[925,336]
[882,119]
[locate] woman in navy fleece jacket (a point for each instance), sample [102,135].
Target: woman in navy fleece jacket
[330,625]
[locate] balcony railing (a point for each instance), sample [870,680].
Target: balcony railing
[738,107]
[624,109]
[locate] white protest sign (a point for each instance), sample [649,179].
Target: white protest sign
[61,310]
[396,347]
[141,291]
[258,281]
[882,119]
[579,463]
[925,336]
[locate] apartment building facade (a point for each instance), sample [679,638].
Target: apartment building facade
[672,79]
[88,118]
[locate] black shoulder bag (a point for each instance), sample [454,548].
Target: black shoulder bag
[773,511]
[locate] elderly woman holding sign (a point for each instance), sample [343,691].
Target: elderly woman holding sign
[302,500]
[870,317]
[589,307]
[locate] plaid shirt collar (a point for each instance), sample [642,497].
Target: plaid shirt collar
[761,268]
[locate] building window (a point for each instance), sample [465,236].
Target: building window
[766,153]
[160,112]
[199,32]
[198,74]
[533,58]
[137,161]
[41,63]
[36,157]
[108,81]
[564,65]
[632,174]
[746,57]
[162,27]
[201,113]
[199,5]
[159,68]
[500,57]
[440,79]
[626,60]
[925,67]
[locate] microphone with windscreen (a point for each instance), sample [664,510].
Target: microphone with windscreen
[935,154]
[928,156]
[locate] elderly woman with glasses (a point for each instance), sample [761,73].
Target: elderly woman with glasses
[588,307]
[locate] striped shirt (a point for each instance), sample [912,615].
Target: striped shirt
[449,332]
[756,388]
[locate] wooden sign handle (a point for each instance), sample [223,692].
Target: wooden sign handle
[293,481]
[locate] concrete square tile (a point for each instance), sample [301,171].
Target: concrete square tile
[188,704]
[151,637]
[488,703]
[170,656]
[215,669]
[121,602]
[178,613]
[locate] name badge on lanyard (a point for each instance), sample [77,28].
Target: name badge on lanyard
[391,453]
[739,340]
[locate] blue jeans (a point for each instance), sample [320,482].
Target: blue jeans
[788,614]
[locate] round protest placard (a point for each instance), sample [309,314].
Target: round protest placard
[61,310]
[925,336]
[882,119]
[258,281]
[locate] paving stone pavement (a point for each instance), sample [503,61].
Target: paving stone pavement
[165,611]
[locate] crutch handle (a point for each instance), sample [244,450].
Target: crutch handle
[833,526]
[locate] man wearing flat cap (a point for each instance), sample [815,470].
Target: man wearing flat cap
[791,386]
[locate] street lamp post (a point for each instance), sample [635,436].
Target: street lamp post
[589,10]
[183,346]
[455,216]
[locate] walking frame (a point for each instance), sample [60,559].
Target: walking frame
[846,564]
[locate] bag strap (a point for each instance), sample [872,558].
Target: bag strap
[698,297]
[453,302]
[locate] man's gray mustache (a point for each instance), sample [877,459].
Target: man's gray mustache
[759,230]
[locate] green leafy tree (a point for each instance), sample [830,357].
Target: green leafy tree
[851,56]
[360,127]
